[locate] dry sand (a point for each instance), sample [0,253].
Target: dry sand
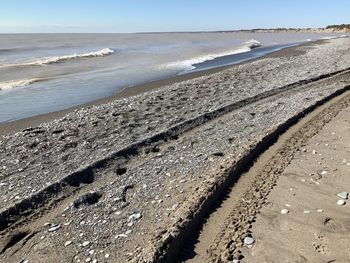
[316,229]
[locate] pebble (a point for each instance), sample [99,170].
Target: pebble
[320,210]
[121,235]
[172,208]
[324,172]
[343,195]
[134,216]
[235,261]
[54,227]
[341,202]
[314,152]
[68,243]
[107,256]
[306,211]
[249,241]
[94,261]
[88,260]
[86,243]
[284,211]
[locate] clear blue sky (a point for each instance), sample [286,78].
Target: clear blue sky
[167,15]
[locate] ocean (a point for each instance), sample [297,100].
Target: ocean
[41,73]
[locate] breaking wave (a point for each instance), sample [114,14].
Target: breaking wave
[189,63]
[328,38]
[56,59]
[18,83]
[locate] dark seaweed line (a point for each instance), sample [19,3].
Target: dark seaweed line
[85,175]
[179,247]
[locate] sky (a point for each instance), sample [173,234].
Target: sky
[35,16]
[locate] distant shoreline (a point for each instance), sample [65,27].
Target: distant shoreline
[327,29]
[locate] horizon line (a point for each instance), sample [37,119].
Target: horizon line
[180,31]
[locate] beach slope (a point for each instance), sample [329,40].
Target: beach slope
[135,179]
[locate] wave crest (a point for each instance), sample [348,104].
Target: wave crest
[56,59]
[189,63]
[18,83]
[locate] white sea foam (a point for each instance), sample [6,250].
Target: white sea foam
[18,83]
[327,38]
[188,64]
[56,59]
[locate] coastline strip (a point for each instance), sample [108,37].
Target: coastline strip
[85,175]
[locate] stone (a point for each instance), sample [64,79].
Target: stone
[121,235]
[107,256]
[54,227]
[343,195]
[341,202]
[249,241]
[134,217]
[284,211]
[314,152]
[86,243]
[68,243]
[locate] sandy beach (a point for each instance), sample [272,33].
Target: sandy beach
[312,194]
[186,169]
